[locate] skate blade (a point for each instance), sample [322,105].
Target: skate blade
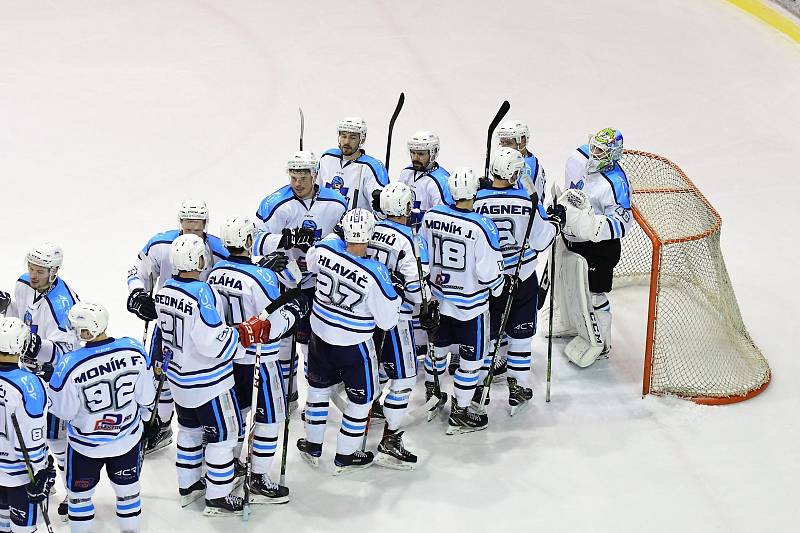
[160,446]
[339,470]
[258,499]
[213,511]
[461,430]
[437,408]
[520,408]
[387,461]
[310,459]
[246,513]
[189,499]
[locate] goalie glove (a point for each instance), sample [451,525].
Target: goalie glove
[255,330]
[579,218]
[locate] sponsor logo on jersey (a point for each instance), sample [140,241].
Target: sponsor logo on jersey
[126,473]
[109,422]
[357,393]
[442,278]
[83,483]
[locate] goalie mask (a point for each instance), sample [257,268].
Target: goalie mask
[605,148]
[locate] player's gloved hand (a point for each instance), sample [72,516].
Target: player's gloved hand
[142,305]
[557,214]
[376,200]
[399,283]
[429,316]
[5,301]
[46,372]
[304,238]
[151,432]
[276,261]
[337,229]
[298,307]
[287,239]
[510,284]
[39,489]
[253,331]
[484,183]
[34,345]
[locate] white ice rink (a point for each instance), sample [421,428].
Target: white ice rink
[113,112]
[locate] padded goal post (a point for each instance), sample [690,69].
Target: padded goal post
[697,346]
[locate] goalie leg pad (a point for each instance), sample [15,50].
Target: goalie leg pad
[584,349]
[562,327]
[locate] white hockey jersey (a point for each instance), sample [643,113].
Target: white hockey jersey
[283,209]
[533,169]
[46,315]
[104,391]
[465,257]
[23,394]
[198,343]
[510,209]
[353,295]
[608,191]
[364,173]
[392,244]
[429,187]
[153,266]
[246,290]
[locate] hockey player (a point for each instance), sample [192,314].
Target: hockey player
[428,181]
[598,216]
[466,265]
[151,270]
[246,290]
[354,295]
[510,208]
[103,391]
[393,245]
[42,300]
[515,134]
[198,350]
[22,394]
[349,170]
[290,220]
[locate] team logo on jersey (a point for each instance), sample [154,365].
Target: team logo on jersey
[310,224]
[579,185]
[28,318]
[337,184]
[109,422]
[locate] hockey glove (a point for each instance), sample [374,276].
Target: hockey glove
[151,432]
[484,183]
[557,215]
[34,345]
[429,316]
[304,238]
[399,283]
[276,261]
[46,372]
[253,331]
[376,200]
[287,239]
[5,301]
[298,307]
[142,305]
[39,489]
[510,285]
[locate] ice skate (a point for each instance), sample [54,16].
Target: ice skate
[392,453]
[519,397]
[357,460]
[463,420]
[162,440]
[435,408]
[309,451]
[63,509]
[230,505]
[195,492]
[264,490]
[476,399]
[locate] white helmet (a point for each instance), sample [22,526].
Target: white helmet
[463,183]
[358,225]
[425,140]
[14,336]
[396,199]
[186,252]
[47,255]
[507,164]
[193,210]
[354,125]
[88,316]
[303,160]
[513,129]
[236,230]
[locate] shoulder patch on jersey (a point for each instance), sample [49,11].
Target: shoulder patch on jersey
[619,185]
[269,204]
[32,390]
[380,273]
[60,301]
[377,168]
[335,152]
[25,279]
[217,248]
[165,237]
[207,303]
[331,195]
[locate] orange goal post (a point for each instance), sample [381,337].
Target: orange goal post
[697,346]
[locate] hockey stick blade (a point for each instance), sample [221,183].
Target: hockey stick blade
[504,107]
[434,411]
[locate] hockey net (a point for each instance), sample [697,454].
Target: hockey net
[697,345]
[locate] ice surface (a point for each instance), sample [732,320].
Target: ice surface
[111,113]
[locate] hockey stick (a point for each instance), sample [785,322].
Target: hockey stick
[400,102]
[292,362]
[251,434]
[162,378]
[29,467]
[302,127]
[504,107]
[487,382]
[550,313]
[147,322]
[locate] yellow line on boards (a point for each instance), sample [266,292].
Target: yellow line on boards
[765,13]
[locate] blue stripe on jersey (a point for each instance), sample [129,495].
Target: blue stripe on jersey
[30,389]
[60,301]
[71,360]
[366,324]
[166,237]
[204,376]
[272,202]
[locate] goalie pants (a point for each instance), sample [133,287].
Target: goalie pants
[601,257]
[83,475]
[520,329]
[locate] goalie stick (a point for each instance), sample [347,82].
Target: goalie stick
[398,107]
[487,382]
[29,468]
[504,107]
